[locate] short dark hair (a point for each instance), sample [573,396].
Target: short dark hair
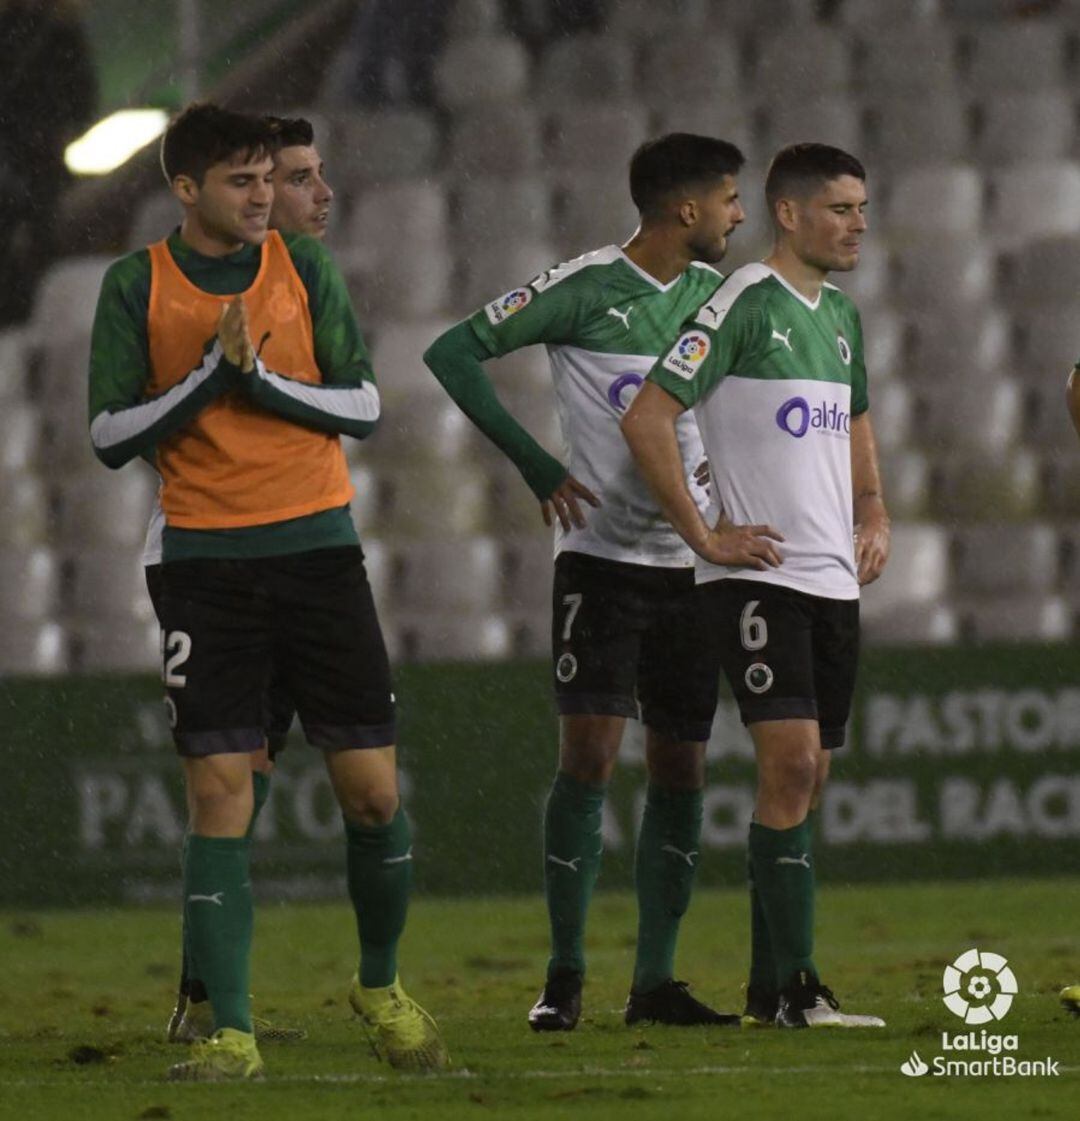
[803,169]
[205,134]
[292,132]
[678,161]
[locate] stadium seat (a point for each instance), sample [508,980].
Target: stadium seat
[469,18]
[983,412]
[492,268]
[996,559]
[496,138]
[586,68]
[108,584]
[33,648]
[430,429]
[402,218]
[945,274]
[497,212]
[99,507]
[431,637]
[884,338]
[105,647]
[156,216]
[794,63]
[677,71]
[1046,272]
[594,210]
[447,574]
[892,408]
[1015,220]
[1048,343]
[969,344]
[397,356]
[897,136]
[905,476]
[603,134]
[1049,425]
[20,436]
[731,119]
[381,147]
[29,584]
[1025,124]
[1061,471]
[644,21]
[25,511]
[528,569]
[917,571]
[427,501]
[885,13]
[974,487]
[1016,55]
[14,363]
[482,70]
[366,502]
[829,118]
[414,283]
[66,299]
[738,17]
[945,199]
[1017,618]
[910,59]
[920,624]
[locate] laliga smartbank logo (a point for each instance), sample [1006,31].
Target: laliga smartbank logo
[979,988]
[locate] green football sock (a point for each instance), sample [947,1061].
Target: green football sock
[784,880]
[190,983]
[762,962]
[573,847]
[665,863]
[220,921]
[379,867]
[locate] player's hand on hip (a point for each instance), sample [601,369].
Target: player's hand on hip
[742,546]
[234,336]
[871,548]
[564,500]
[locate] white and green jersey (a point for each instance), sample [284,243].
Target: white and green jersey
[774,380]
[605,322]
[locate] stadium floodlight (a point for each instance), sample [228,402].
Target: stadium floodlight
[114,140]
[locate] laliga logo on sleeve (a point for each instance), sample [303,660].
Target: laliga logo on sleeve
[498,311]
[979,987]
[688,354]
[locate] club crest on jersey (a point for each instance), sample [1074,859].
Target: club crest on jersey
[845,350]
[687,354]
[498,311]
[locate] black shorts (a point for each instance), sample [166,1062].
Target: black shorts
[787,655]
[278,706]
[627,638]
[307,619]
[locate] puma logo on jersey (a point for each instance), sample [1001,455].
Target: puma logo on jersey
[623,315]
[571,864]
[215,898]
[687,856]
[803,861]
[784,338]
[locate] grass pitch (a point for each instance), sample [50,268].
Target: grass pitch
[84,997]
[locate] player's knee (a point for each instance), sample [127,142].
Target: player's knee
[370,806]
[221,812]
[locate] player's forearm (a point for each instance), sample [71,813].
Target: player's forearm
[121,433]
[347,410]
[455,359]
[653,442]
[1072,397]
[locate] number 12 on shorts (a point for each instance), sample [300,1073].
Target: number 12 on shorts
[753,630]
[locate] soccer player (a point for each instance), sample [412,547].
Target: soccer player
[229,354]
[625,613]
[301,205]
[772,367]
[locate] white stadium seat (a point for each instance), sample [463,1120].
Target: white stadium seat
[33,648]
[596,135]
[1017,55]
[1016,217]
[910,58]
[1026,124]
[586,68]
[397,356]
[495,211]
[29,584]
[675,70]
[985,412]
[995,559]
[949,275]
[495,138]
[798,62]
[945,199]
[24,508]
[381,147]
[66,298]
[99,507]
[487,69]
[917,571]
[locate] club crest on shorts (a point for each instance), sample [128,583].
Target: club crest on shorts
[170,712]
[758,677]
[566,668]
[498,311]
